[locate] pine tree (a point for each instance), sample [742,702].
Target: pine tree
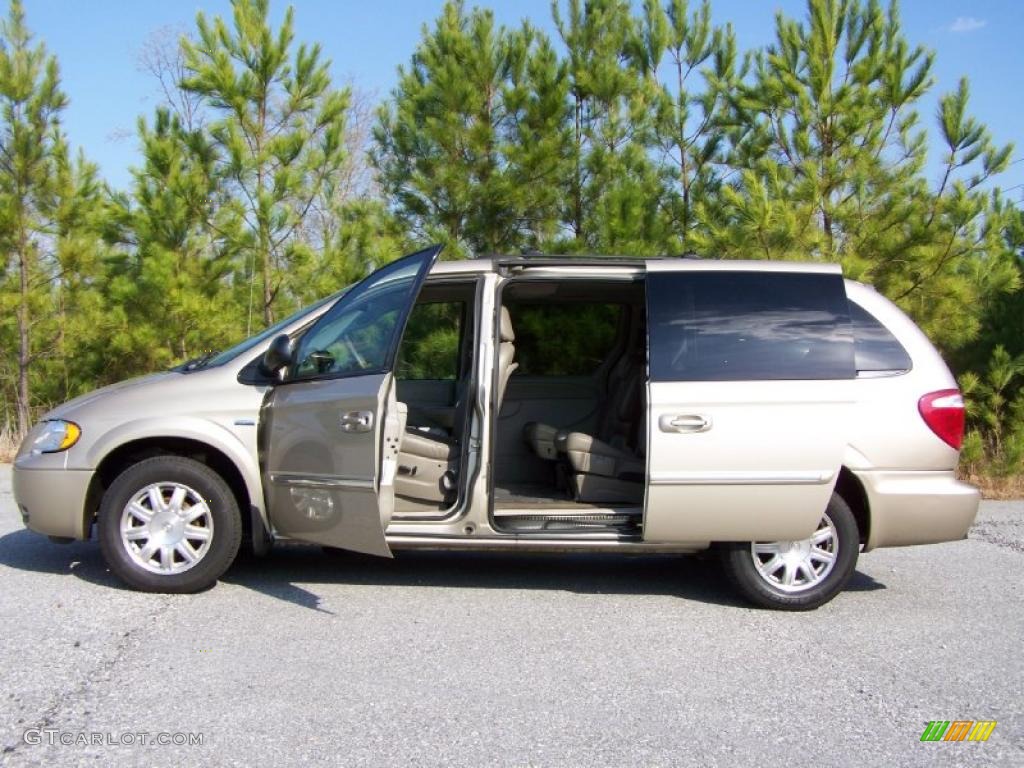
[995,418]
[595,36]
[78,350]
[832,157]
[471,145]
[614,194]
[280,133]
[540,147]
[31,145]
[176,253]
[365,235]
[673,48]
[1002,314]
[956,260]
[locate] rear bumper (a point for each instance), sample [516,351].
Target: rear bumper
[52,501]
[917,507]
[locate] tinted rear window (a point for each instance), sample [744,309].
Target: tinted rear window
[748,326]
[875,348]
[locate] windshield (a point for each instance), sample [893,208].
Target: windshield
[244,346]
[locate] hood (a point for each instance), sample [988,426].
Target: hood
[65,409]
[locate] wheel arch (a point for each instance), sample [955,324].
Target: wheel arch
[118,459]
[850,488]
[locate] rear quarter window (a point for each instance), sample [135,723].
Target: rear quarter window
[748,326]
[876,350]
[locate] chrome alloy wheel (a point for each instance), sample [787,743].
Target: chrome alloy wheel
[167,528]
[795,566]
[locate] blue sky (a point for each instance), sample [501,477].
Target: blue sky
[97,44]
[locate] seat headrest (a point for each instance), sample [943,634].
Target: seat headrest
[505,326]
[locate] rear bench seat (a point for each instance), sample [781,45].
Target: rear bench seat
[608,467]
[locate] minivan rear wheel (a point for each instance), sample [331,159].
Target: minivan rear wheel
[169,524]
[798,575]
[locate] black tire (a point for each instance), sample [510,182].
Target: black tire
[223,508]
[738,563]
[336,553]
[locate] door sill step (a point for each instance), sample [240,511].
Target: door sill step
[569,521]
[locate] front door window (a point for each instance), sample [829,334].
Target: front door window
[359,335]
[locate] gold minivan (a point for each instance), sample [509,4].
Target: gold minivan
[774,412]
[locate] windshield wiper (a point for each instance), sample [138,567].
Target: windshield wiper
[199,362]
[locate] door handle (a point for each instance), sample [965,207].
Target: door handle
[357,421]
[689,422]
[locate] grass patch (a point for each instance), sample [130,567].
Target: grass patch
[9,442]
[997,487]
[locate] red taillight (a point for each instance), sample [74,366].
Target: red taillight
[943,412]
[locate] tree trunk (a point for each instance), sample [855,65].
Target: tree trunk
[686,206]
[577,187]
[684,175]
[24,340]
[268,295]
[261,219]
[826,220]
[825,131]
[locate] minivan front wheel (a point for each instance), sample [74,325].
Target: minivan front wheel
[169,524]
[798,575]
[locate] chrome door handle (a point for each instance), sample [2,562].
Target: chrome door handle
[357,421]
[689,422]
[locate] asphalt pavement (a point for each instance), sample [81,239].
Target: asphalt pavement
[511,660]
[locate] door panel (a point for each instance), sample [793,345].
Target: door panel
[761,469]
[750,396]
[324,464]
[329,435]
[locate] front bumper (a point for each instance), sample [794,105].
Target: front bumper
[52,501]
[918,507]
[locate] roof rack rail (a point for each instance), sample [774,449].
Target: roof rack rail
[545,260]
[538,259]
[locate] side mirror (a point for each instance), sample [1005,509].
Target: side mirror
[278,355]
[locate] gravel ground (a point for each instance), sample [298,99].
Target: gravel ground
[473,660]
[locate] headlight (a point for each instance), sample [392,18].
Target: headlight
[55,436]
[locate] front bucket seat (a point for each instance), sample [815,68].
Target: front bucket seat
[428,464]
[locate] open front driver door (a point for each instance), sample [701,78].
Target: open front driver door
[330,432]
